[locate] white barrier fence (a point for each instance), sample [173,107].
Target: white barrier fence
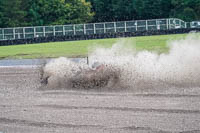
[91,28]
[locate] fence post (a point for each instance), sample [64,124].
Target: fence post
[63,30]
[74,29]
[146,26]
[136,26]
[104,27]
[125,26]
[167,24]
[84,29]
[54,33]
[157,26]
[34,32]
[43,31]
[13,33]
[24,32]
[115,28]
[94,28]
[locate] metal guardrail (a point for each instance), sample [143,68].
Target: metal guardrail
[91,28]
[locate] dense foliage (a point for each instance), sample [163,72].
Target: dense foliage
[14,13]
[113,10]
[43,12]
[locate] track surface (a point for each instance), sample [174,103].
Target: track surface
[24,108]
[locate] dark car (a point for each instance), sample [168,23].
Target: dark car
[99,76]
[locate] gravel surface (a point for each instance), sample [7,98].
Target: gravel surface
[25,108]
[33,62]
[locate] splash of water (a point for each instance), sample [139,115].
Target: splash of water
[180,67]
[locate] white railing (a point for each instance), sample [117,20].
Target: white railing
[194,24]
[91,28]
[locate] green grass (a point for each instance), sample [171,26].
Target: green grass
[80,48]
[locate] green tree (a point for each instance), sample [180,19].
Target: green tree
[152,9]
[165,8]
[113,10]
[12,14]
[195,6]
[33,16]
[79,11]
[188,14]
[58,12]
[119,10]
[124,10]
[1,14]
[103,10]
[187,10]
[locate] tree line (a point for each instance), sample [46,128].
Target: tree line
[17,13]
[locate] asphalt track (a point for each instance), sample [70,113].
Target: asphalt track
[25,108]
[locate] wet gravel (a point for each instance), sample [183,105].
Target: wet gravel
[31,62]
[24,107]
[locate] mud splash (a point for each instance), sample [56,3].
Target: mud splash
[125,68]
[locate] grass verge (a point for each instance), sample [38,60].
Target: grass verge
[80,48]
